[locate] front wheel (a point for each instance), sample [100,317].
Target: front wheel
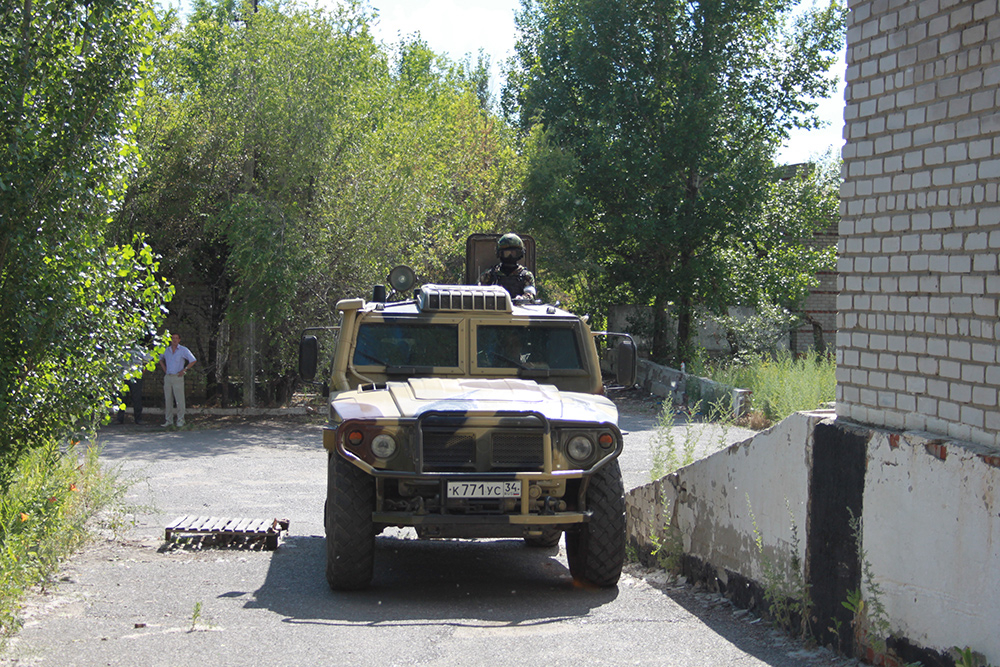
[596,550]
[350,531]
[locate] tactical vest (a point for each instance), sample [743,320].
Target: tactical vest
[514,283]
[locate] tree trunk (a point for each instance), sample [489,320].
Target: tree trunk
[661,341]
[685,334]
[685,312]
[249,368]
[222,363]
[217,349]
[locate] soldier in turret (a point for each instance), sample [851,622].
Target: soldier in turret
[510,275]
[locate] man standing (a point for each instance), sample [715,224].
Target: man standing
[136,362]
[175,362]
[510,275]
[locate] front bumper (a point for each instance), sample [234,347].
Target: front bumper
[526,514]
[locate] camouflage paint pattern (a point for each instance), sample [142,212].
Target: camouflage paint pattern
[473,416]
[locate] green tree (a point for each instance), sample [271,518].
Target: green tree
[250,109]
[293,162]
[71,306]
[773,260]
[657,122]
[461,168]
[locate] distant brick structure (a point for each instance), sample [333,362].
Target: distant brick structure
[819,310]
[920,228]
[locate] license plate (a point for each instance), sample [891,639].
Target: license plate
[484,489]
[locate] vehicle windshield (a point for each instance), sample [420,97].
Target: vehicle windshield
[406,344]
[527,347]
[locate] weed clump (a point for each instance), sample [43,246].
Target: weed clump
[45,506]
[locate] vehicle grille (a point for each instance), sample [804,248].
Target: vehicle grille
[518,451]
[447,451]
[444,452]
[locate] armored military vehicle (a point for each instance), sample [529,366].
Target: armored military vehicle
[465,414]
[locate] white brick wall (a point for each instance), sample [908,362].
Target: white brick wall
[920,229]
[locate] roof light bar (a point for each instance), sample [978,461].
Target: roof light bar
[492,298]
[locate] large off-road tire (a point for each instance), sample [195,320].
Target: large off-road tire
[596,550]
[549,538]
[350,531]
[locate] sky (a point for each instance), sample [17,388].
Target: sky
[460,27]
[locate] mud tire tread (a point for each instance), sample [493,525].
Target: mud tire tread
[596,550]
[350,531]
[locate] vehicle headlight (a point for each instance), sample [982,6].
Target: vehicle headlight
[580,448]
[383,445]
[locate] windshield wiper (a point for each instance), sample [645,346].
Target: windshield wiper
[371,357]
[512,362]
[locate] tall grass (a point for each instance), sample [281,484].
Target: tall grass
[783,384]
[668,456]
[44,511]
[679,439]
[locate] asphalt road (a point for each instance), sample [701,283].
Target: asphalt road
[131,599]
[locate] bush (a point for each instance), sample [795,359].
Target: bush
[74,302]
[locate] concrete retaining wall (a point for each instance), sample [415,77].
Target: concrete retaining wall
[237,412]
[715,503]
[932,535]
[660,380]
[683,388]
[783,501]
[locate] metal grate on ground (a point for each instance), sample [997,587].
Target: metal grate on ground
[266,530]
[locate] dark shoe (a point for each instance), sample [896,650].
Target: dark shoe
[139,422]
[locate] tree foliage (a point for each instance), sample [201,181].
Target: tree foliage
[774,259]
[71,306]
[653,125]
[292,161]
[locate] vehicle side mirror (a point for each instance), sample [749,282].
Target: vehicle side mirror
[626,362]
[308,357]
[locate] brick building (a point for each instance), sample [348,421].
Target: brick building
[898,495]
[819,311]
[920,228]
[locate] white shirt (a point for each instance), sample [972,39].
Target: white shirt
[176,361]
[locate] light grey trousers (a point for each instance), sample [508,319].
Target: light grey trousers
[173,390]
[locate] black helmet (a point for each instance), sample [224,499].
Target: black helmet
[510,240]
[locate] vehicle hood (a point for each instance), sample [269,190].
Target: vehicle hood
[400,400]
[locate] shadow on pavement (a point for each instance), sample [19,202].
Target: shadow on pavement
[749,632]
[460,582]
[161,444]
